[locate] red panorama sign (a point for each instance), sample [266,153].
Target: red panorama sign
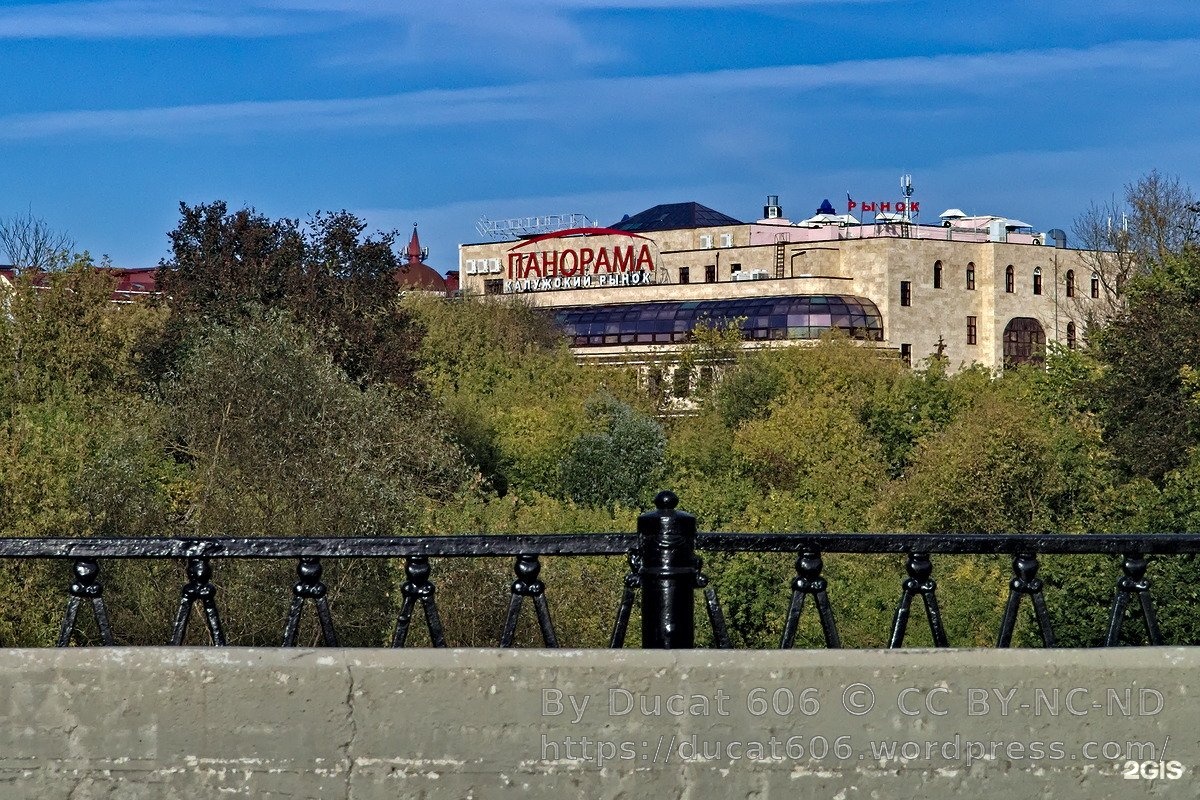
[577,265]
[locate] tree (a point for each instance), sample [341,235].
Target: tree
[82,450]
[326,273]
[1148,354]
[619,462]
[280,442]
[1005,464]
[30,242]
[283,443]
[62,332]
[514,392]
[1157,217]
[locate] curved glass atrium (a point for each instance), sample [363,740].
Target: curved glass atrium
[759,318]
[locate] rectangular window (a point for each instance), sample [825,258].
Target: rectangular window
[906,293]
[1095,286]
[681,382]
[493,286]
[971,330]
[685,275]
[906,354]
[735,268]
[710,273]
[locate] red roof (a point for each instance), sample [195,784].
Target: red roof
[131,283]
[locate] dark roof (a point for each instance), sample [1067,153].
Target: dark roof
[673,216]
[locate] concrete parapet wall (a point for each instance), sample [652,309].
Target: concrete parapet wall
[366,724]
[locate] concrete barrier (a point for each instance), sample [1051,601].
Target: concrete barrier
[365,724]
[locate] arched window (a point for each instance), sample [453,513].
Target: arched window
[971,275]
[1024,342]
[1009,279]
[1071,335]
[1095,285]
[1037,280]
[1070,283]
[937,274]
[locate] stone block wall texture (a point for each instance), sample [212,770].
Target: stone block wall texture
[365,724]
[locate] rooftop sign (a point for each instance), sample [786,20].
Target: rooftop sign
[562,261]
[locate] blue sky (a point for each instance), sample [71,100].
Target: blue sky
[114,111]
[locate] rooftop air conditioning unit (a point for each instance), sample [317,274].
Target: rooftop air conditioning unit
[1038,240]
[706,242]
[743,276]
[758,274]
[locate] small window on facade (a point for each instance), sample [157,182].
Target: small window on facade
[685,275]
[937,274]
[1037,280]
[906,354]
[906,293]
[1071,335]
[493,286]
[971,275]
[1070,283]
[735,268]
[681,382]
[1095,285]
[710,273]
[1010,279]
[972,331]
[654,380]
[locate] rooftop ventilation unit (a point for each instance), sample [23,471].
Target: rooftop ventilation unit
[772,210]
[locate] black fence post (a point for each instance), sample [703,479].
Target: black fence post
[668,575]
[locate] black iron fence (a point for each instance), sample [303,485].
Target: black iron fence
[663,567]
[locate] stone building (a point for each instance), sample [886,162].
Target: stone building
[978,289]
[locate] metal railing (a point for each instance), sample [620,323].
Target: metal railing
[663,567]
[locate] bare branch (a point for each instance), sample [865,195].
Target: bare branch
[30,242]
[1157,217]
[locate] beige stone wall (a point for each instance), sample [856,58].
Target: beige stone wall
[182,723]
[872,267]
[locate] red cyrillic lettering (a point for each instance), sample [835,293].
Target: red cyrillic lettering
[622,259]
[645,257]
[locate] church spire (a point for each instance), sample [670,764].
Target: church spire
[416,254]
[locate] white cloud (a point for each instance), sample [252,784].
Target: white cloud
[130,19]
[648,98]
